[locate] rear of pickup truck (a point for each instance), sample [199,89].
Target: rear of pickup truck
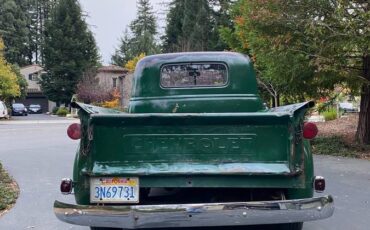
[167,164]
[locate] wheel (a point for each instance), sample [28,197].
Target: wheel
[291,226]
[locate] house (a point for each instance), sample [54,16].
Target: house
[32,74]
[115,77]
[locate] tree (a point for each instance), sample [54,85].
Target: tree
[194,25]
[21,81]
[171,39]
[188,26]
[341,40]
[144,29]
[90,91]
[37,12]
[13,21]
[131,64]
[22,26]
[9,87]
[140,38]
[69,50]
[220,19]
[308,45]
[124,52]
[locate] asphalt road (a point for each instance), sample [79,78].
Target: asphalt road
[38,153]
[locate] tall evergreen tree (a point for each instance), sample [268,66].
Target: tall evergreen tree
[141,35]
[173,31]
[13,21]
[69,50]
[38,12]
[194,25]
[221,19]
[125,51]
[144,29]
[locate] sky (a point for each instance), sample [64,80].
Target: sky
[108,20]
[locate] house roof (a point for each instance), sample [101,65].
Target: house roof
[112,68]
[27,66]
[34,68]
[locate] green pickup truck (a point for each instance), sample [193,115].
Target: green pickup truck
[197,148]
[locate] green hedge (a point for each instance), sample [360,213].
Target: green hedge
[330,114]
[62,112]
[55,110]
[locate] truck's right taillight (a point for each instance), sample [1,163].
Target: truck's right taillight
[74,131]
[310,130]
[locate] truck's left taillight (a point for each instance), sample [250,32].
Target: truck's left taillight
[74,131]
[66,186]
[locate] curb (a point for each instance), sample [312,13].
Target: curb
[40,122]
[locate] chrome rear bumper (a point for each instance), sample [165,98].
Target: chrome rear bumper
[195,215]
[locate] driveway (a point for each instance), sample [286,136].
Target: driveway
[39,153]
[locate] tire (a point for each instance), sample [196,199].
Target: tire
[291,226]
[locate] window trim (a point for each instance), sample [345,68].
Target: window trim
[194,87]
[114,83]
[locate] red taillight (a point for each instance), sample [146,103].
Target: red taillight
[66,186]
[309,130]
[74,131]
[319,184]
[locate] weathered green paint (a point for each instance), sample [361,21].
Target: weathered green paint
[239,95]
[196,137]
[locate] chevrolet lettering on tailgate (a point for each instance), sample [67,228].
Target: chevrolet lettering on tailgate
[223,143]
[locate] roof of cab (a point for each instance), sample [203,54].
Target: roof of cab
[146,83]
[154,60]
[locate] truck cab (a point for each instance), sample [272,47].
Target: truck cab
[197,148]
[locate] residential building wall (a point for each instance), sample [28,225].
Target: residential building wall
[126,90]
[109,80]
[32,74]
[115,77]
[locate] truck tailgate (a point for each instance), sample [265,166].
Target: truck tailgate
[152,144]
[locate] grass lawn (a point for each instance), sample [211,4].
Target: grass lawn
[8,190]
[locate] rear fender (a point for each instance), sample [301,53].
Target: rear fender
[301,155]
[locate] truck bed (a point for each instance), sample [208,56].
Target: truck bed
[193,144]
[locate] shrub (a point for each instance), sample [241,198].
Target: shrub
[131,64]
[62,112]
[8,190]
[89,91]
[114,102]
[330,114]
[55,109]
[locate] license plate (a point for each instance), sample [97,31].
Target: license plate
[114,190]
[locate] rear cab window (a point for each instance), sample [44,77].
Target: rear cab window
[190,75]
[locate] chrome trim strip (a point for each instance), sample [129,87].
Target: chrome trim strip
[192,215]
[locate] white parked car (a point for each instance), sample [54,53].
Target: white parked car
[348,107]
[3,110]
